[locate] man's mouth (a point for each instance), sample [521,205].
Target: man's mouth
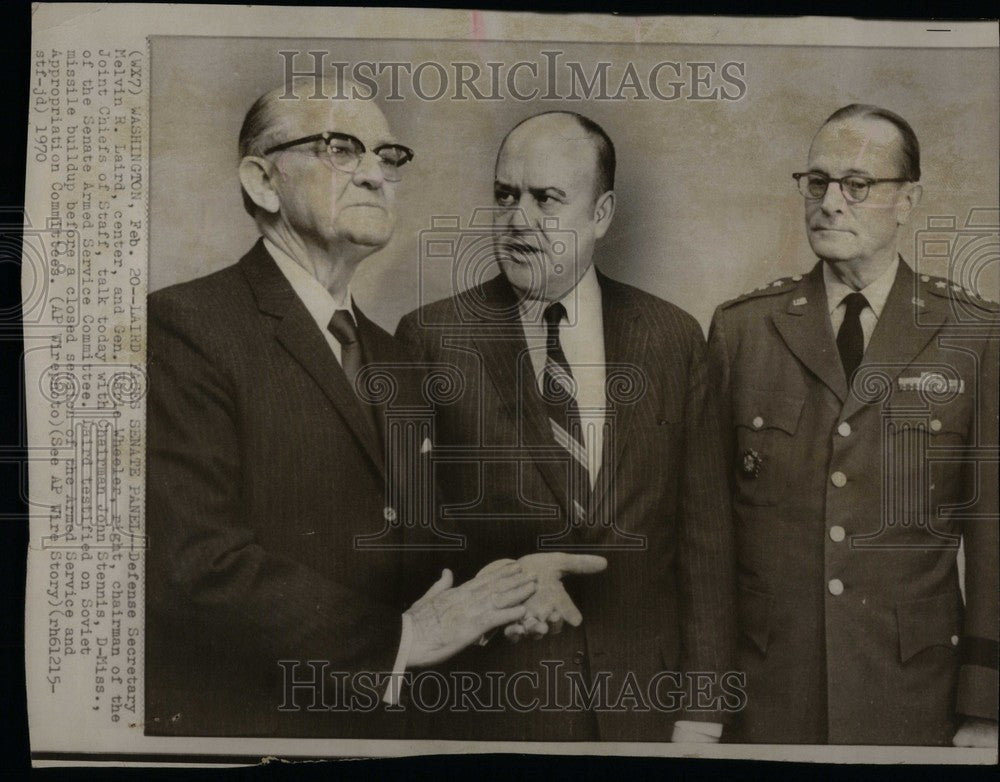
[516,250]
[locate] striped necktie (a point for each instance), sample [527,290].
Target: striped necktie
[559,395]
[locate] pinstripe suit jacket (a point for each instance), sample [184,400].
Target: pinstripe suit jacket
[665,601]
[261,473]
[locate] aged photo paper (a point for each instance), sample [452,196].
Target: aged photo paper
[405,382]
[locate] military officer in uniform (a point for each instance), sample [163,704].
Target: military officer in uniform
[860,407]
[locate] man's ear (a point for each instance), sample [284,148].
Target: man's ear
[256,176]
[604,212]
[908,202]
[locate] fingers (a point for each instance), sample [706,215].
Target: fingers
[567,609]
[506,616]
[443,583]
[494,566]
[535,627]
[514,632]
[498,578]
[515,595]
[555,622]
[582,564]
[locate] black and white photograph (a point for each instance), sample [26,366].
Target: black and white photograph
[466,381]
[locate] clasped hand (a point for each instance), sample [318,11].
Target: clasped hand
[549,606]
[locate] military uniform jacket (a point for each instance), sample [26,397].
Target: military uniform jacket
[851,500]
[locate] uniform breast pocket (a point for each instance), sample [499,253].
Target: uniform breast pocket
[920,455]
[765,459]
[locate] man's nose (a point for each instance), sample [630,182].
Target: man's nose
[514,218]
[369,172]
[833,199]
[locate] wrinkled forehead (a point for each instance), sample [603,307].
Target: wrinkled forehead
[299,116]
[865,144]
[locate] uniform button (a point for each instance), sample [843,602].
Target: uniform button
[837,533]
[578,658]
[954,640]
[935,425]
[389,514]
[836,587]
[839,479]
[844,430]
[924,278]
[758,422]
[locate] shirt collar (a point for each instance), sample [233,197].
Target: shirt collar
[317,299]
[876,292]
[583,300]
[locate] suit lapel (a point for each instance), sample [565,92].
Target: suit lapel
[298,334]
[508,363]
[897,338]
[805,328]
[625,341]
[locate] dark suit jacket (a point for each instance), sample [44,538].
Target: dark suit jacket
[664,603]
[261,473]
[853,627]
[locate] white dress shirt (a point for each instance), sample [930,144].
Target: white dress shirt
[581,335]
[318,300]
[321,306]
[876,292]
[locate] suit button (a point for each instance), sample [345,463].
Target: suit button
[839,479]
[935,425]
[836,587]
[844,430]
[954,640]
[389,514]
[758,422]
[836,533]
[578,658]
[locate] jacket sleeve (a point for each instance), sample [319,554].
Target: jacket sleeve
[977,681]
[706,556]
[205,567]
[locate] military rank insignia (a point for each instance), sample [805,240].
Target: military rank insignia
[751,463]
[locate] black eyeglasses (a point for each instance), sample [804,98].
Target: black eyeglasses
[345,152]
[855,188]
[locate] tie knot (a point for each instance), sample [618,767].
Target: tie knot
[855,302]
[342,327]
[554,313]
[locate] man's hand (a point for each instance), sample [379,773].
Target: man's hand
[551,605]
[976,732]
[447,619]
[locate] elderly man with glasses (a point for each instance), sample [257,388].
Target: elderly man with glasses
[266,466]
[860,405]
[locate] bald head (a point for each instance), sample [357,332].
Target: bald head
[582,135]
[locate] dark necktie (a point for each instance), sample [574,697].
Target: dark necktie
[351,356]
[559,394]
[850,338]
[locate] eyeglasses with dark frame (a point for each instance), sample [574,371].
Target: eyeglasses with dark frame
[345,152]
[855,188]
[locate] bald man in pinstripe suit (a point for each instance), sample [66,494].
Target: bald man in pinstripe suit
[585,424]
